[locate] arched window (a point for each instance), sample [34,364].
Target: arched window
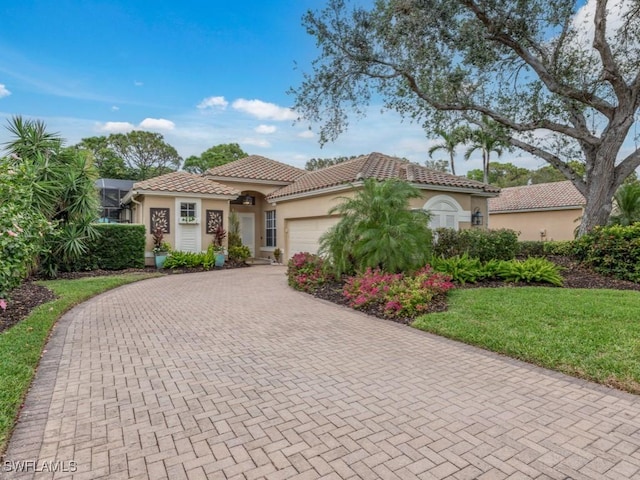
[446,212]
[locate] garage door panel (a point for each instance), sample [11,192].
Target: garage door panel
[304,234]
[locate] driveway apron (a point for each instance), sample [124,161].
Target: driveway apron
[232,375]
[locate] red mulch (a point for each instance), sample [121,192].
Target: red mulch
[573,274]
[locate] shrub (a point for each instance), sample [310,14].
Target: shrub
[239,253]
[396,295]
[531,248]
[177,259]
[305,271]
[117,246]
[22,229]
[369,287]
[530,270]
[461,268]
[537,248]
[481,244]
[613,250]
[560,247]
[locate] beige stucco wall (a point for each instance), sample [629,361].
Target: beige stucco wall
[141,214]
[556,224]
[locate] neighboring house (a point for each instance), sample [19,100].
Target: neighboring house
[282,206]
[545,211]
[111,192]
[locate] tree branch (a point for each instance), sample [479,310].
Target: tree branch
[628,165]
[611,71]
[580,134]
[566,170]
[543,73]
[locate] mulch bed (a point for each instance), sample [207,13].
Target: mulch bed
[30,295]
[573,274]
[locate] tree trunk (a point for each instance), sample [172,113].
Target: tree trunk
[453,168]
[600,188]
[485,166]
[598,207]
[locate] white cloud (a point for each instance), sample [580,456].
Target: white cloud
[115,108]
[583,21]
[116,127]
[157,124]
[306,134]
[256,142]
[264,110]
[138,84]
[265,129]
[4,92]
[213,102]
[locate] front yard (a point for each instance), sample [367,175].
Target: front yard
[588,333]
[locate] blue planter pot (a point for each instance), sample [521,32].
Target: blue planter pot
[219,259]
[160,259]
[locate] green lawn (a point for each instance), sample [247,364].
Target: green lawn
[593,334]
[21,345]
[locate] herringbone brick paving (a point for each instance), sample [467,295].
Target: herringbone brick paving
[232,375]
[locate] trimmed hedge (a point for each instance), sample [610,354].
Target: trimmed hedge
[536,248]
[484,245]
[613,250]
[117,247]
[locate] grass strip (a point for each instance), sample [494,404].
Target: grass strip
[21,346]
[592,334]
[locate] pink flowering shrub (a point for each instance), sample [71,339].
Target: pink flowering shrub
[396,295]
[305,272]
[369,287]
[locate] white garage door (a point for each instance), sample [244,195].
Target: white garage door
[304,234]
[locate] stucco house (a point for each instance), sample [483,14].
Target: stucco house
[545,211]
[282,206]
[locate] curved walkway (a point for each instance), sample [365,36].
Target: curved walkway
[232,375]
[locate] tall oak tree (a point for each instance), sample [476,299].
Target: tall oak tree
[562,77]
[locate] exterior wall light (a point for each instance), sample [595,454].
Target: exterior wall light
[477,218]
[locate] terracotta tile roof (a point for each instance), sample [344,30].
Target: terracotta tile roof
[535,197]
[378,166]
[184,182]
[255,167]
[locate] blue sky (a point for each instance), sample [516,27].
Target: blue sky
[199,72]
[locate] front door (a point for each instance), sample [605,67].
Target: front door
[248,231]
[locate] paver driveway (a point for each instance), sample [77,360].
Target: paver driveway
[230,374]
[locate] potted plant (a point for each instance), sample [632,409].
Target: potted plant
[160,248]
[277,254]
[218,237]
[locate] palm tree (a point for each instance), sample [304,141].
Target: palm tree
[487,139]
[30,138]
[627,201]
[62,189]
[450,142]
[378,230]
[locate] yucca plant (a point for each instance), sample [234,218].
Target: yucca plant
[62,189]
